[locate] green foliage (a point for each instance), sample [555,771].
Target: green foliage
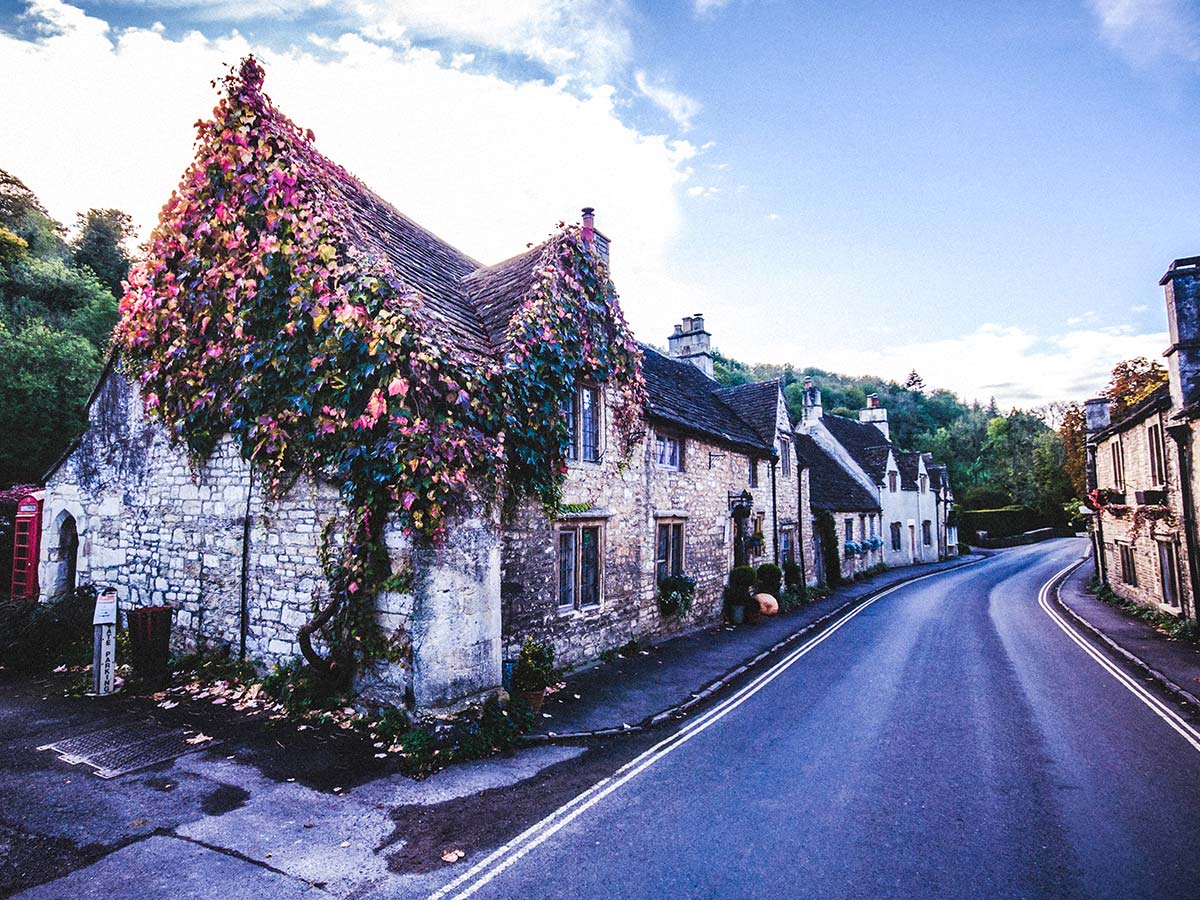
[999,523]
[100,246]
[1174,626]
[737,590]
[301,689]
[675,594]
[793,575]
[985,497]
[38,636]
[870,571]
[534,669]
[769,579]
[830,545]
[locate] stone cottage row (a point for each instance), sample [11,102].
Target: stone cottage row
[719,474]
[1141,473]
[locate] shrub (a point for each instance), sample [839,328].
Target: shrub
[793,577]
[37,636]
[963,548]
[741,579]
[768,579]
[534,669]
[675,594]
[793,598]
[301,688]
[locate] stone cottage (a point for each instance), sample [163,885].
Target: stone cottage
[851,508]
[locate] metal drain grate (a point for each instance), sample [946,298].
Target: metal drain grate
[125,748]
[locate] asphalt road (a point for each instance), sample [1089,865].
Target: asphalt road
[949,740]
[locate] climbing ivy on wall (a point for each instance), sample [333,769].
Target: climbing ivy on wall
[255,314]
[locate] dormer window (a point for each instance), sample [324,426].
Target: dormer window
[892,482]
[924,483]
[785,458]
[668,452]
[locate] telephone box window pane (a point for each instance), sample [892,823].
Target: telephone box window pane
[566,568]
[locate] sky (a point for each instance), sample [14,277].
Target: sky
[985,195]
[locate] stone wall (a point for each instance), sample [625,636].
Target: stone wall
[627,502]
[1120,530]
[161,533]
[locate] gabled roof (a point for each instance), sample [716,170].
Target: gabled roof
[498,291]
[757,404]
[1154,402]
[909,462]
[865,443]
[831,487]
[685,397]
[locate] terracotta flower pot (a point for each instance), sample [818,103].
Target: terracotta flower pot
[534,699]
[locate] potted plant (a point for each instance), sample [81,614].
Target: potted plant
[534,672]
[737,593]
[675,594]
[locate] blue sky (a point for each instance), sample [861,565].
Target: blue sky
[986,195]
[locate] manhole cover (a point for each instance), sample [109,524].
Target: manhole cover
[125,748]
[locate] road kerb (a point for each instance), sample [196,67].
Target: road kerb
[1181,694]
[681,710]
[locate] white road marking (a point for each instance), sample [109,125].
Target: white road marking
[1160,709]
[508,854]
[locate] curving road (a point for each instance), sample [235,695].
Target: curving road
[948,740]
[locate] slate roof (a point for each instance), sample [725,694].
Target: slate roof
[831,487]
[497,291]
[865,443]
[1156,401]
[682,395]
[909,462]
[757,403]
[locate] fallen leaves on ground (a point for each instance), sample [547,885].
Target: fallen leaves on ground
[453,856]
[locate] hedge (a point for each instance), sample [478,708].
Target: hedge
[999,523]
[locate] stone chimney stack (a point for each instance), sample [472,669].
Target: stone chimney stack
[875,415]
[812,403]
[1097,414]
[1182,287]
[692,343]
[590,234]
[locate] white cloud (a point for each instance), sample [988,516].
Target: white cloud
[773,217]
[99,117]
[680,107]
[703,190]
[708,7]
[1148,31]
[1006,362]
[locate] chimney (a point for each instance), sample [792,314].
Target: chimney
[1182,287]
[812,403]
[1097,414]
[692,343]
[875,415]
[590,234]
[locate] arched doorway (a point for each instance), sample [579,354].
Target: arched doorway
[68,555]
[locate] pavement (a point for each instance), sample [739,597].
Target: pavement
[1173,663]
[949,739]
[633,690]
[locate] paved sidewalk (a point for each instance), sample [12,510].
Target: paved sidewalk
[630,690]
[1174,662]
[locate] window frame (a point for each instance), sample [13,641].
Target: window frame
[675,560]
[897,535]
[577,530]
[1118,465]
[1128,564]
[753,476]
[667,438]
[785,457]
[927,532]
[893,478]
[1174,583]
[1158,454]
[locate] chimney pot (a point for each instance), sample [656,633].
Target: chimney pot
[589,224]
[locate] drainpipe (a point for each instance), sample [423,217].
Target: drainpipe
[800,522]
[245,585]
[1181,435]
[774,513]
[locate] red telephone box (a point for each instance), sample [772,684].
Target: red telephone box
[27,546]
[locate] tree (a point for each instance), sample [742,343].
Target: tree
[101,245]
[914,382]
[1073,432]
[1133,380]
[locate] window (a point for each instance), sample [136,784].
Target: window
[582,415]
[927,532]
[895,536]
[668,452]
[924,485]
[1158,456]
[849,529]
[579,565]
[753,472]
[872,526]
[787,550]
[1118,465]
[785,458]
[589,424]
[1128,566]
[1168,565]
[892,482]
[668,559]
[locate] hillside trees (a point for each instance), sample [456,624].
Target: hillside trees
[56,317]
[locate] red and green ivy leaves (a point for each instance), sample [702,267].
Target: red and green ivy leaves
[256,314]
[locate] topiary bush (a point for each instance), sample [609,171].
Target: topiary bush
[769,579]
